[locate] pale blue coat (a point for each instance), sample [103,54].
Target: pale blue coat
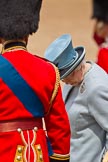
[87,108]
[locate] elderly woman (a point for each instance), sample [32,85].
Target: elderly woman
[86,97]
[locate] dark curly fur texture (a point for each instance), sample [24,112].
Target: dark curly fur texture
[19,18]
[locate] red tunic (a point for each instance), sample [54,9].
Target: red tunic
[31,145]
[102,58]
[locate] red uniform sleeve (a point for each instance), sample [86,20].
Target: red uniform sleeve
[102,58]
[58,129]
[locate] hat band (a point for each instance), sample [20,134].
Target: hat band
[65,72]
[70,63]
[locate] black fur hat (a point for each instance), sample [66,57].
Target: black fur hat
[19,18]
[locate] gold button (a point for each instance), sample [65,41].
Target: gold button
[19,149]
[35,129]
[40,157]
[19,130]
[39,148]
[19,158]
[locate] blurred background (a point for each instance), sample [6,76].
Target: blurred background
[65,16]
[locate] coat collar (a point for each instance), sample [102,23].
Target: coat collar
[66,91]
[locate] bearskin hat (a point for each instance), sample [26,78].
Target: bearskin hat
[19,18]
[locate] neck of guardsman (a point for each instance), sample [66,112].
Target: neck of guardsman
[13,44]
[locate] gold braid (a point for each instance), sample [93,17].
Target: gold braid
[57,83]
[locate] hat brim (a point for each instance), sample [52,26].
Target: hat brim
[81,54]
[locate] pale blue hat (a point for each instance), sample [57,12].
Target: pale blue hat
[63,55]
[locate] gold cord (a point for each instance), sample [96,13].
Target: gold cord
[13,48]
[57,83]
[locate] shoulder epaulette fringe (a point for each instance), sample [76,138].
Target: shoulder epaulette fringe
[57,83]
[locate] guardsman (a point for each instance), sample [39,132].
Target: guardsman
[30,92]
